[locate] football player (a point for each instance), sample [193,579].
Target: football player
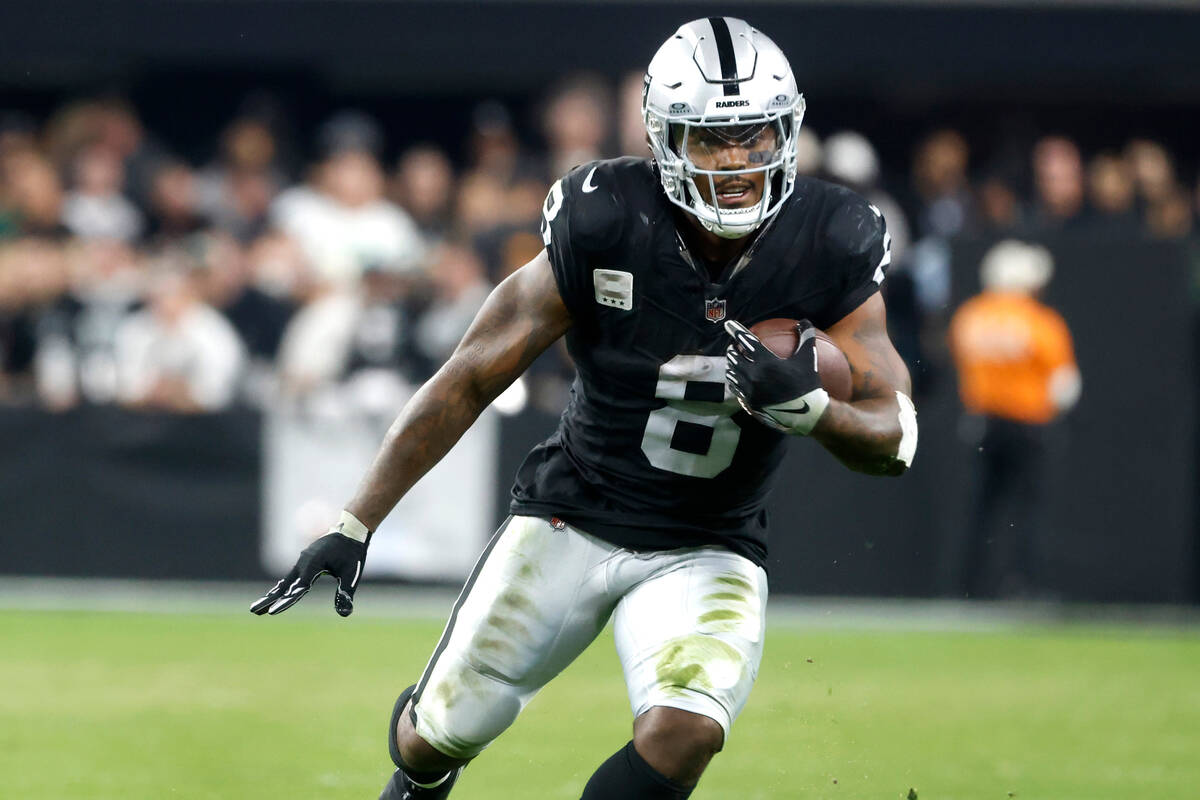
[647,504]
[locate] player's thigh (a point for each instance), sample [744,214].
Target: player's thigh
[690,635]
[535,600]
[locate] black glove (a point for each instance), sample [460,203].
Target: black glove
[781,393]
[334,553]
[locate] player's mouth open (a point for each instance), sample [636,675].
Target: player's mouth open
[732,193]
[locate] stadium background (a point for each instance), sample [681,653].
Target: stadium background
[469,82]
[138,528]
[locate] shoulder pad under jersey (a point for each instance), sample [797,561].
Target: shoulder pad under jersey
[854,228]
[598,199]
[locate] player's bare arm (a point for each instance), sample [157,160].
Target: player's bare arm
[866,433]
[523,316]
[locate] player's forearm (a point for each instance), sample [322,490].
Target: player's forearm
[876,436]
[431,423]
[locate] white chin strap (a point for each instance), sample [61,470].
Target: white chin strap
[729,227]
[728,231]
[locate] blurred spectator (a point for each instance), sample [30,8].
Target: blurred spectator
[247,145]
[503,228]
[942,210]
[16,345]
[1168,212]
[225,281]
[107,281]
[95,206]
[343,222]
[111,124]
[246,212]
[459,288]
[178,354]
[481,204]
[51,312]
[1058,181]
[809,153]
[315,344]
[523,203]
[507,253]
[278,268]
[1171,216]
[59,309]
[1111,192]
[33,195]
[1017,373]
[174,203]
[350,131]
[940,181]
[33,281]
[493,147]
[631,129]
[999,204]
[424,186]
[17,138]
[575,122]
[358,337]
[236,190]
[1153,171]
[120,130]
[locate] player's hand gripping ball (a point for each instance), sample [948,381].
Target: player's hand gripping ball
[782,337]
[779,385]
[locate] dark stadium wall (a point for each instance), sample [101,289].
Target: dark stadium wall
[106,492]
[445,46]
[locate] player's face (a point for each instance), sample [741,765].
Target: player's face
[730,148]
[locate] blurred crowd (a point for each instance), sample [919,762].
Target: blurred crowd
[345,278]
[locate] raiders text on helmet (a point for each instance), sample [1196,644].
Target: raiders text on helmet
[723,76]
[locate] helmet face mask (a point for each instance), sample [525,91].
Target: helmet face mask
[721,111]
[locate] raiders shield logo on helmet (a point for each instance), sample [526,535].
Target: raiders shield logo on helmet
[714,309]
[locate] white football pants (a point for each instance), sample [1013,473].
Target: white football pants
[689,630]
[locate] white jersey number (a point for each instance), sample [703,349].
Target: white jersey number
[550,209]
[694,433]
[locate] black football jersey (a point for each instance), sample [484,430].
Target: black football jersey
[652,451]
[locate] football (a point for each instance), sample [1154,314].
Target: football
[780,337]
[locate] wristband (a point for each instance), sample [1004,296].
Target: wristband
[908,430]
[350,527]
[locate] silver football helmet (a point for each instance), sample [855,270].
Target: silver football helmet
[720,101]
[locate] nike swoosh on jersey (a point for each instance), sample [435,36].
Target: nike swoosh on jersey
[588,186]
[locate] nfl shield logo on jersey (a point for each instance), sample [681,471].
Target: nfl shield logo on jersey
[714,309]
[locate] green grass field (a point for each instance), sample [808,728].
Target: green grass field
[119,705]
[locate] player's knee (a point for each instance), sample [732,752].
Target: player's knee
[409,751]
[413,752]
[677,743]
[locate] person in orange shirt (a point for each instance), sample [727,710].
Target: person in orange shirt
[1017,373]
